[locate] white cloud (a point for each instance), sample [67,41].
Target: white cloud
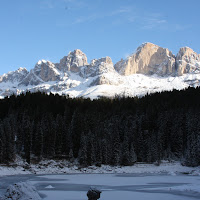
[96,16]
[150,23]
[120,11]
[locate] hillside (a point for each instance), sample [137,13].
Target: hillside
[118,131]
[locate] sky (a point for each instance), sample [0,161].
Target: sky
[31,30]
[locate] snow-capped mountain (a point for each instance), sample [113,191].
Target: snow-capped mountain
[150,69]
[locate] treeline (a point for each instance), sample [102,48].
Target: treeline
[118,131]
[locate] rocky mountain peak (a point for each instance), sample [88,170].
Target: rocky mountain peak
[148,59]
[73,61]
[97,67]
[77,52]
[22,70]
[187,61]
[14,76]
[106,60]
[44,71]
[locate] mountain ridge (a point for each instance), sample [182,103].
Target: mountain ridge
[150,69]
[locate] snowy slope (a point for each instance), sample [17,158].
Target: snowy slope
[133,85]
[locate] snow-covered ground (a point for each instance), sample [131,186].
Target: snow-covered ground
[58,167]
[113,186]
[21,191]
[132,85]
[169,181]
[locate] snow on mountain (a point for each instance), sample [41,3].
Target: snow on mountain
[150,69]
[44,71]
[15,76]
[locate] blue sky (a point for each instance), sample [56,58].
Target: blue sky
[31,30]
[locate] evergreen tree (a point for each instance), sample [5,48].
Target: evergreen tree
[125,157]
[133,156]
[83,151]
[116,148]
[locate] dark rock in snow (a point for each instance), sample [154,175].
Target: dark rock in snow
[93,194]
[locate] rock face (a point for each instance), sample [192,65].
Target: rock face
[16,76]
[103,70]
[187,61]
[97,67]
[149,59]
[73,61]
[44,71]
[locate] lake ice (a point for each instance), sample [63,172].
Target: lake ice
[113,186]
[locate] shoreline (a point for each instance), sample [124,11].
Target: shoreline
[64,167]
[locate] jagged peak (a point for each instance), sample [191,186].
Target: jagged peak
[147,44]
[186,49]
[76,52]
[42,61]
[21,69]
[106,59]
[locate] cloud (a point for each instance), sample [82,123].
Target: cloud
[120,11]
[128,14]
[108,14]
[150,23]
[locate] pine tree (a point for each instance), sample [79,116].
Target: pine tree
[71,155]
[27,142]
[2,142]
[99,157]
[105,151]
[125,157]
[39,143]
[133,156]
[9,142]
[76,130]
[83,151]
[91,150]
[116,148]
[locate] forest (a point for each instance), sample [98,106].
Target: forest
[111,131]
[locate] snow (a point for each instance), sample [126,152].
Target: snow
[21,191]
[64,181]
[195,188]
[57,167]
[41,61]
[122,186]
[49,187]
[132,85]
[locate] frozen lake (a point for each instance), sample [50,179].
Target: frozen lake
[113,186]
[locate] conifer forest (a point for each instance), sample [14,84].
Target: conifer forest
[117,131]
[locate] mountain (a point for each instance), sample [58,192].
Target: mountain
[148,59]
[150,69]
